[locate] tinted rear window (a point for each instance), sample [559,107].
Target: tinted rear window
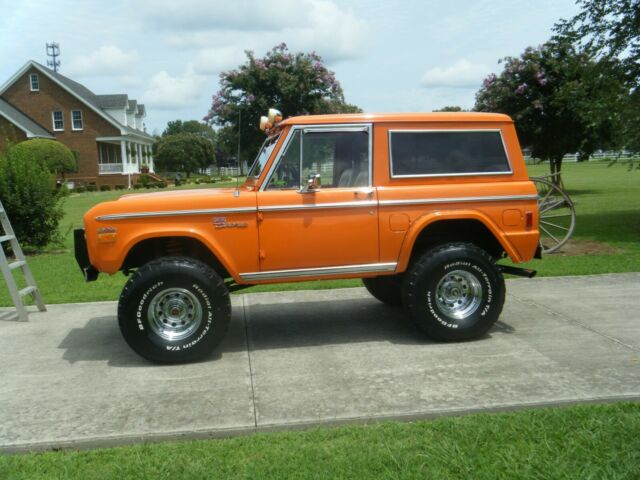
[446,153]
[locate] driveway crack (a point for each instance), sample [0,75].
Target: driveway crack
[573,321]
[246,332]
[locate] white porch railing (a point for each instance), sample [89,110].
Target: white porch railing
[110,167]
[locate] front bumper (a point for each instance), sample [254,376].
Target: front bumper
[82,255]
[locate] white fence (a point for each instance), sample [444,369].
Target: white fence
[594,157]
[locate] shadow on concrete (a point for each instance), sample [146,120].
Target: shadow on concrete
[302,324]
[269,326]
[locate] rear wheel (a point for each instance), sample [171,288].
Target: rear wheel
[174,310]
[454,292]
[387,289]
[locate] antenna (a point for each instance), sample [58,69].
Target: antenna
[237,192]
[53,51]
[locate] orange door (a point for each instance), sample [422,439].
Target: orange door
[333,225]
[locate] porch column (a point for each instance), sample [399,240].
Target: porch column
[125,167]
[139,157]
[151,165]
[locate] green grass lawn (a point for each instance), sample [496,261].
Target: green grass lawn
[608,211]
[581,442]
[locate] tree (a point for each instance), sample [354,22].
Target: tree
[611,28]
[28,194]
[561,99]
[450,108]
[184,152]
[56,156]
[190,126]
[296,84]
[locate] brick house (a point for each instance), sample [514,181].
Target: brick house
[106,131]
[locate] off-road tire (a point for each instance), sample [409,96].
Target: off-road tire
[454,292]
[387,289]
[160,306]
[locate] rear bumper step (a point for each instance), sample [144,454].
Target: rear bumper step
[520,272]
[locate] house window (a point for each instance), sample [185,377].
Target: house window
[58,121]
[76,120]
[34,82]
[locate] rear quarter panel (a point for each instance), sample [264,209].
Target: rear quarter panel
[500,202]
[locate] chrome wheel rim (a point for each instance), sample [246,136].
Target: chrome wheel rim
[459,294]
[174,314]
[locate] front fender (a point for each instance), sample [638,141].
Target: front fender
[112,256]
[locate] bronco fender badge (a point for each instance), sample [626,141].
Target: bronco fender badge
[107,234]
[221,222]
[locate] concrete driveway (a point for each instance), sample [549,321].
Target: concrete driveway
[303,358]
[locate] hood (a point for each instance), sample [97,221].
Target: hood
[176,200]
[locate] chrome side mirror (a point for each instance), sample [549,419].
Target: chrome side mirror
[313,183]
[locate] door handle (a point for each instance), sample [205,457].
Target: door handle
[364,191]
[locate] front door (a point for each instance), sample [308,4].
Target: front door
[334,225]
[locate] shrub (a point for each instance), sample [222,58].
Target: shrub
[79,189]
[137,186]
[120,187]
[161,184]
[144,180]
[57,157]
[29,196]
[105,188]
[92,187]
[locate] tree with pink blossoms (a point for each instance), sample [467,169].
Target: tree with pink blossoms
[562,99]
[295,83]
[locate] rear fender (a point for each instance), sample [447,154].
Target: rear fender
[424,221]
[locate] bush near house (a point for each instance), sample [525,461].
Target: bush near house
[29,196]
[56,156]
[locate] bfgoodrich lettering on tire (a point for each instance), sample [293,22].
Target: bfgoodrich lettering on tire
[174,310]
[454,292]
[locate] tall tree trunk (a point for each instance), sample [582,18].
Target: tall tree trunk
[555,165]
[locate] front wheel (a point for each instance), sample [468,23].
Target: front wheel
[454,292]
[174,310]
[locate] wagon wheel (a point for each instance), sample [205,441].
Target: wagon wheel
[557,215]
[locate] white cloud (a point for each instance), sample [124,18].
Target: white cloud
[462,74]
[107,60]
[216,60]
[321,25]
[167,92]
[226,15]
[335,33]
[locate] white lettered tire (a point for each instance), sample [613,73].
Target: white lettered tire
[454,292]
[174,310]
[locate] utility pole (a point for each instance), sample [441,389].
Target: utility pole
[53,51]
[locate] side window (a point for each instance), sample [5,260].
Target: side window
[287,174]
[416,153]
[341,158]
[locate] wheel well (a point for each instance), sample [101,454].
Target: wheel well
[446,231]
[150,249]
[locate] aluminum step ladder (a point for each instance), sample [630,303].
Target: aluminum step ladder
[20,262]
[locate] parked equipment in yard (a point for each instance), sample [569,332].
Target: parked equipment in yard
[420,206]
[19,263]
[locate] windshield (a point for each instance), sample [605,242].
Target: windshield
[261,160]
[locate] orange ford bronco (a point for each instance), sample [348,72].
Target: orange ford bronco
[420,206]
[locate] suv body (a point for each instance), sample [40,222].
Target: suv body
[329,196]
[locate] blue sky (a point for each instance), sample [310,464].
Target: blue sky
[389,55]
